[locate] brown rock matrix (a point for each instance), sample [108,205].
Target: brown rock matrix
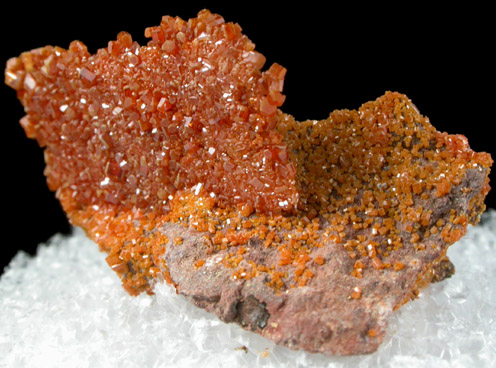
[176,160]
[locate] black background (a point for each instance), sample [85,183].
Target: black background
[337,57]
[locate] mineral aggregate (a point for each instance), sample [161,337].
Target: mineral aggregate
[175,158]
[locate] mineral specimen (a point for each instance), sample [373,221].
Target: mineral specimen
[175,158]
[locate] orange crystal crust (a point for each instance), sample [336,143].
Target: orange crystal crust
[187,131]
[366,179]
[131,125]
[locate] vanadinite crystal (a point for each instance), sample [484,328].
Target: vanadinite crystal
[131,125]
[176,160]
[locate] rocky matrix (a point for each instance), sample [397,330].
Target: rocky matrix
[175,158]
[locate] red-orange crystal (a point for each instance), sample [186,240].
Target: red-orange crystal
[131,125]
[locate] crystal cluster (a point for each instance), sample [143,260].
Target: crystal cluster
[131,125]
[373,180]
[179,147]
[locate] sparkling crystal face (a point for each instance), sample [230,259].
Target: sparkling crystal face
[131,125]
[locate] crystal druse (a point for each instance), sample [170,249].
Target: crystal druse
[176,159]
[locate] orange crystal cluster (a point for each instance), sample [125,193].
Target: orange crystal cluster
[366,179]
[373,174]
[131,125]
[187,130]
